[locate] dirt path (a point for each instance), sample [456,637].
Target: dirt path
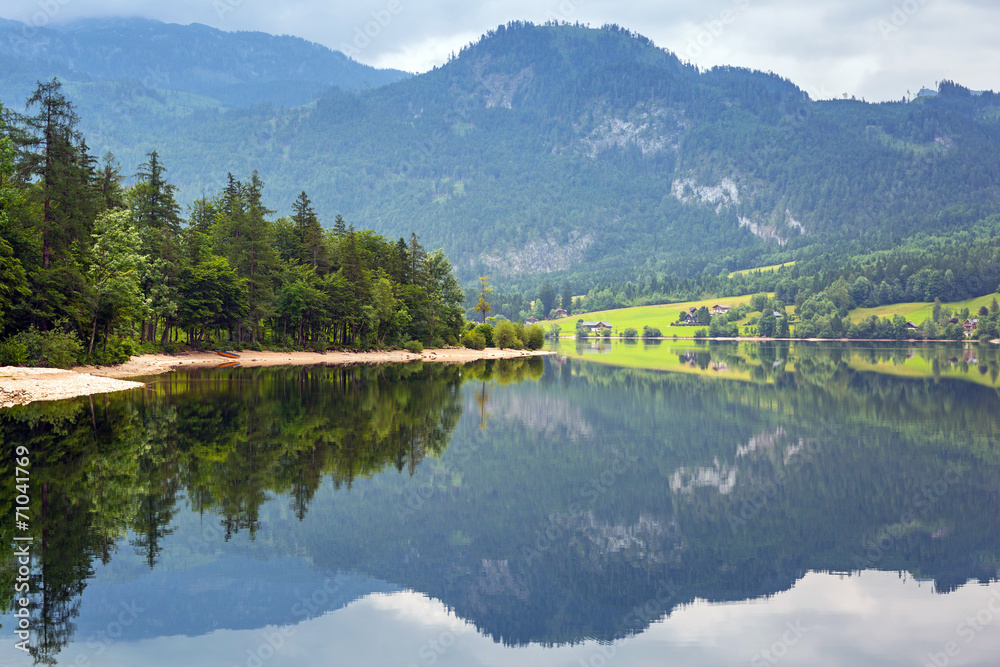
[20,386]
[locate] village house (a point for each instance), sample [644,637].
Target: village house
[560,312]
[595,326]
[720,309]
[531,320]
[970,326]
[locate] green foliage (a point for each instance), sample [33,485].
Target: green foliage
[651,332]
[95,261]
[413,346]
[14,351]
[630,332]
[486,331]
[504,335]
[54,348]
[534,337]
[474,340]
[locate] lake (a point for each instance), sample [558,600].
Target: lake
[621,503]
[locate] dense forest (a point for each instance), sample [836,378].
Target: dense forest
[92,269]
[585,155]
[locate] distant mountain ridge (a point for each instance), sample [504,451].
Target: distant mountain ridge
[567,152]
[235,68]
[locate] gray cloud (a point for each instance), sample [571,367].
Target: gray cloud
[876,50]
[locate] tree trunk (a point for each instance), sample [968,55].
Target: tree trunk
[93,334]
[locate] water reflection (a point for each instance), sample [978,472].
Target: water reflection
[573,501]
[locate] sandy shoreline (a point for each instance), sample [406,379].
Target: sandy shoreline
[20,386]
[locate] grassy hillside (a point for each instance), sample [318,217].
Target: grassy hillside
[917,312]
[761,269]
[661,316]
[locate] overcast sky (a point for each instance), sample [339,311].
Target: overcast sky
[875,49]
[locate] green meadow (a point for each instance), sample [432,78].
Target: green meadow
[761,269]
[661,316]
[918,311]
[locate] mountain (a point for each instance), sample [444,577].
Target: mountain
[231,68]
[578,153]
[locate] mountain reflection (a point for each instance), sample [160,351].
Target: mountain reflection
[574,500]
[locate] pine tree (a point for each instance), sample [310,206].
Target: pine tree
[109,183]
[547,295]
[57,155]
[156,212]
[310,234]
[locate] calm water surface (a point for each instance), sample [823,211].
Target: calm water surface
[725,504]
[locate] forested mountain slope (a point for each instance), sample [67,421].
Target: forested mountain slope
[588,154]
[230,68]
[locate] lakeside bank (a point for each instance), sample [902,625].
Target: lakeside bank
[23,385]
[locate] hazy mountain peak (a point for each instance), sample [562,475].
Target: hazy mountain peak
[235,68]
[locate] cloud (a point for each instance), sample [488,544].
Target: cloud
[873,50]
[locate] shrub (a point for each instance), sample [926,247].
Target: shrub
[651,332]
[413,346]
[13,352]
[519,332]
[486,331]
[605,333]
[119,350]
[534,337]
[474,340]
[55,348]
[631,332]
[504,335]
